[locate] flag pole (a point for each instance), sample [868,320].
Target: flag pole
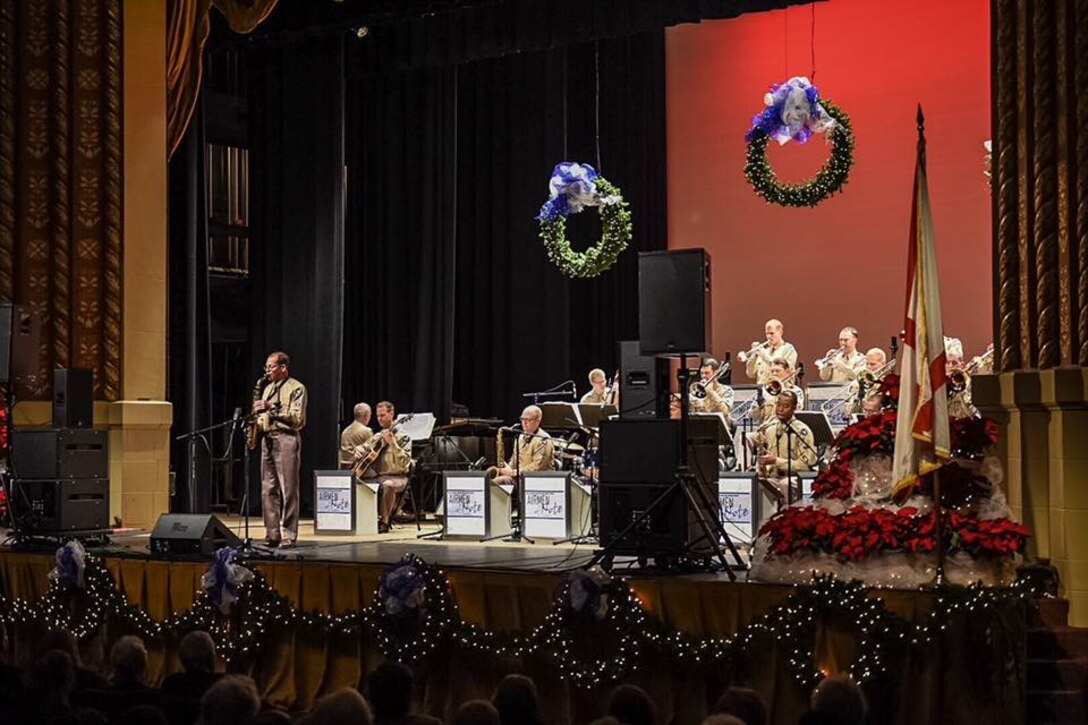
[938,529]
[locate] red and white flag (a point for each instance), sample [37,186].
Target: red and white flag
[922,441]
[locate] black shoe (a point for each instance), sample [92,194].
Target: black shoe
[271,543]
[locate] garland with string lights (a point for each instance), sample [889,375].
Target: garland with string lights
[414,613]
[574,187]
[795,111]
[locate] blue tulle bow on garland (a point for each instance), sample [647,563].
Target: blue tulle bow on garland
[401,590]
[224,578]
[793,112]
[71,563]
[572,189]
[587,592]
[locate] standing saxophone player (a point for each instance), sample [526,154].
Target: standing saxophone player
[757,361]
[281,416]
[843,364]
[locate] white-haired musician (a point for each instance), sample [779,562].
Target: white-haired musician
[958,381]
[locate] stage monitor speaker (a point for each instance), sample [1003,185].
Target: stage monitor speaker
[190,535]
[48,506]
[73,398]
[60,453]
[644,383]
[19,335]
[674,302]
[639,459]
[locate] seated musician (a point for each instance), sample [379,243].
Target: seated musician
[782,377]
[872,404]
[845,363]
[758,360]
[355,436]
[390,468]
[601,393]
[534,450]
[958,381]
[786,446]
[718,397]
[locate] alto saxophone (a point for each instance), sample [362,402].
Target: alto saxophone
[253,432]
[500,457]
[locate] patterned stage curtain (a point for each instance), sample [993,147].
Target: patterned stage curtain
[60,181]
[975,675]
[188,25]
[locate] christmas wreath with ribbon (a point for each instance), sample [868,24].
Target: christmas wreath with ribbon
[574,187]
[795,111]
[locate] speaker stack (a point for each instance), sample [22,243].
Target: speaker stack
[61,475]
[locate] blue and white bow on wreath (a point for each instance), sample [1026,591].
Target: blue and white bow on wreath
[224,578]
[71,563]
[587,592]
[793,112]
[572,189]
[402,590]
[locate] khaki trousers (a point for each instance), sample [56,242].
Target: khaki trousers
[280,454]
[392,486]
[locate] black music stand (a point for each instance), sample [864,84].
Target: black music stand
[818,423]
[591,414]
[555,416]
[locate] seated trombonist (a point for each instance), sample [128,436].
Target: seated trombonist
[758,360]
[392,452]
[786,446]
[843,364]
[782,379]
[534,450]
[602,391]
[708,394]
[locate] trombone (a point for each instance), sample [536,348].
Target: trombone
[775,387]
[698,388]
[743,356]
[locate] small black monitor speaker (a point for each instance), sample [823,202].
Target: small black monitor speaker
[190,535]
[644,383]
[73,398]
[674,302]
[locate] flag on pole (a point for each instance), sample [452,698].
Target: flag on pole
[922,441]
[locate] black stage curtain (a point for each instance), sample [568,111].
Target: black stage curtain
[450,292]
[297,255]
[189,345]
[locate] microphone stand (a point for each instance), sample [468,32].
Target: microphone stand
[515,533]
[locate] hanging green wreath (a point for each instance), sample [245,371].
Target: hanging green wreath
[820,115]
[574,187]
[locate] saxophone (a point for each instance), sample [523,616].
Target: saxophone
[253,432]
[500,456]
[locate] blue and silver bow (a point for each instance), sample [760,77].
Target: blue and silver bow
[572,189]
[401,590]
[587,592]
[793,111]
[224,578]
[71,563]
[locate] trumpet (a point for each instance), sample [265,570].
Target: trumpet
[829,357]
[743,356]
[775,387]
[698,388]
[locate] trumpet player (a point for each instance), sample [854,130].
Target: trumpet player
[959,381]
[786,447]
[708,394]
[534,450]
[757,361]
[843,364]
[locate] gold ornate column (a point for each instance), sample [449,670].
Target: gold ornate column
[1040,267]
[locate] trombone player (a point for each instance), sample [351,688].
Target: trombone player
[786,447]
[757,361]
[708,394]
[782,380]
[843,364]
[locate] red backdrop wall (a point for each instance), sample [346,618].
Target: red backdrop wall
[842,262]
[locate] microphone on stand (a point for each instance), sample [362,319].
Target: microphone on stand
[574,389]
[477,465]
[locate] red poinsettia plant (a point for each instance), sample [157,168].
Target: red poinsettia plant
[861,532]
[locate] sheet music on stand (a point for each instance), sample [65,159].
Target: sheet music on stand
[560,415]
[419,428]
[591,414]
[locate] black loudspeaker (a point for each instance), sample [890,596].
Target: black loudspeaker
[639,459]
[19,336]
[674,302]
[190,534]
[60,453]
[73,398]
[644,383]
[45,506]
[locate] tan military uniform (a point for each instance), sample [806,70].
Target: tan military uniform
[758,365]
[843,368]
[793,454]
[766,413]
[533,454]
[281,449]
[593,398]
[960,404]
[719,399]
[390,470]
[354,435]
